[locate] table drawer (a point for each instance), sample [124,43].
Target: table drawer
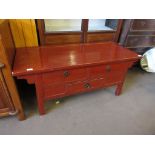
[65,76]
[114,73]
[97,71]
[75,74]
[52,77]
[140,41]
[143,25]
[82,86]
[103,70]
[56,90]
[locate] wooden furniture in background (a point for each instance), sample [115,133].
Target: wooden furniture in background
[6,105]
[105,35]
[24,32]
[7,53]
[138,34]
[82,36]
[62,70]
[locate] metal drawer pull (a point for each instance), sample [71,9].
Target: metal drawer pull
[108,68]
[66,73]
[87,85]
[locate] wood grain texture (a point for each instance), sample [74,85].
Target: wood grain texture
[136,41]
[63,38]
[24,32]
[63,70]
[6,104]
[7,52]
[100,37]
[138,34]
[143,25]
[8,44]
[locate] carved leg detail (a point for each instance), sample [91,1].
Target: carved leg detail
[118,89]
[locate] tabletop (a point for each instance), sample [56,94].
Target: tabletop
[30,60]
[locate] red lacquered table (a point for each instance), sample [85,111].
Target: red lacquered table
[62,70]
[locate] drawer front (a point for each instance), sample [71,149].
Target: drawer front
[95,37]
[52,77]
[65,76]
[83,86]
[75,74]
[103,70]
[115,73]
[97,71]
[62,39]
[56,90]
[140,41]
[143,25]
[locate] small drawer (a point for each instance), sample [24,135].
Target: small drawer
[97,71]
[117,67]
[83,86]
[104,70]
[75,74]
[115,73]
[56,90]
[95,37]
[70,75]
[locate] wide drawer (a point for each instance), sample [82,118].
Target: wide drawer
[143,25]
[95,37]
[83,86]
[115,73]
[140,41]
[65,76]
[104,70]
[97,71]
[55,90]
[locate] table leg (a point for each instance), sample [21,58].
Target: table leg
[40,99]
[41,105]
[118,89]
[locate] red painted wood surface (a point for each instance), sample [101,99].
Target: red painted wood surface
[63,70]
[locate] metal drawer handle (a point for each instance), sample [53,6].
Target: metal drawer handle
[108,68]
[66,73]
[87,85]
